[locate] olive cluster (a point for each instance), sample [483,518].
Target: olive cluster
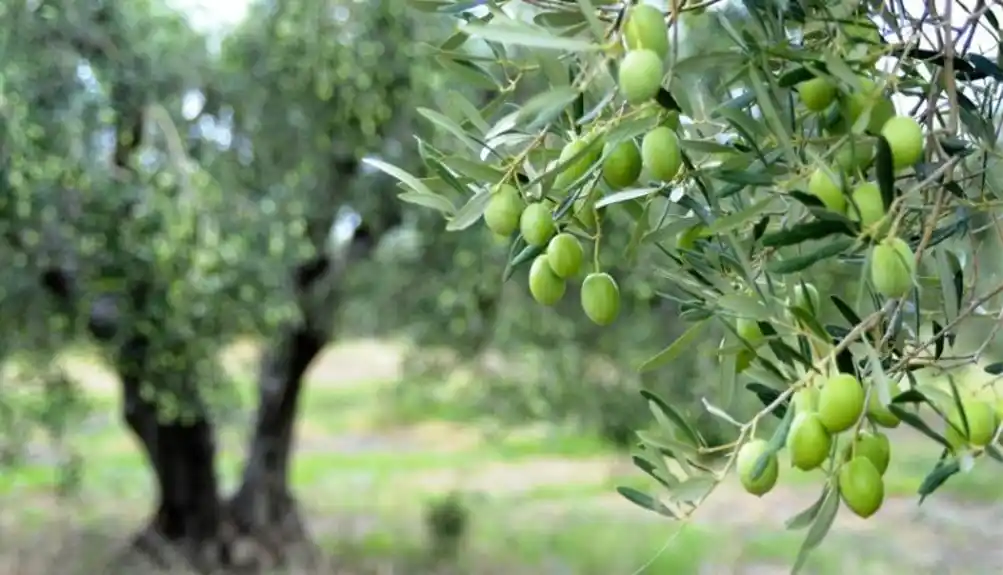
[892,262]
[624,163]
[840,408]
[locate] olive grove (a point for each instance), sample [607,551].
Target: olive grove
[817,180]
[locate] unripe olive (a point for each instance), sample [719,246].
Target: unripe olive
[537,224]
[640,76]
[660,154]
[579,167]
[867,207]
[501,215]
[817,93]
[745,465]
[544,285]
[749,330]
[840,402]
[622,166]
[808,441]
[857,154]
[565,255]
[982,422]
[828,190]
[806,399]
[861,486]
[880,413]
[855,105]
[892,268]
[645,28]
[873,446]
[905,139]
[600,298]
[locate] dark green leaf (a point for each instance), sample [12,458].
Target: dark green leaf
[937,477]
[760,228]
[470,212]
[665,100]
[959,405]
[846,311]
[819,529]
[810,321]
[808,200]
[910,396]
[994,453]
[804,232]
[938,342]
[645,501]
[677,418]
[767,395]
[649,468]
[994,368]
[807,516]
[776,443]
[798,263]
[526,255]
[675,349]
[885,172]
[915,422]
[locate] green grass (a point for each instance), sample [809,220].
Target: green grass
[547,527]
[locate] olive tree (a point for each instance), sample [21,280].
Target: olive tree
[752,150]
[163,228]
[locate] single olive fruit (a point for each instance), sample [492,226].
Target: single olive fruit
[858,102]
[873,446]
[806,296]
[537,224]
[644,29]
[660,153]
[861,486]
[622,166]
[806,400]
[892,268]
[808,441]
[544,285]
[823,187]
[640,76]
[817,93]
[600,298]
[982,422]
[579,167]
[501,215]
[880,413]
[855,155]
[867,206]
[840,402]
[905,139]
[565,255]
[863,31]
[687,239]
[749,330]
[745,464]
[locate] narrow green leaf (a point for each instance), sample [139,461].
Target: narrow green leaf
[798,263]
[475,171]
[626,196]
[846,311]
[645,501]
[677,418]
[820,527]
[693,489]
[525,256]
[776,443]
[434,201]
[653,471]
[470,212]
[767,395]
[937,477]
[400,175]
[544,107]
[807,516]
[806,231]
[884,170]
[915,422]
[451,127]
[530,37]
[959,405]
[735,220]
[675,349]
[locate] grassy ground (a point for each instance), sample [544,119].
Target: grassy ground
[541,498]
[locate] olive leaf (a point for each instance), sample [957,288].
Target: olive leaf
[645,501]
[824,518]
[941,472]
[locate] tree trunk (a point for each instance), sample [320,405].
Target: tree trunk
[263,510]
[182,454]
